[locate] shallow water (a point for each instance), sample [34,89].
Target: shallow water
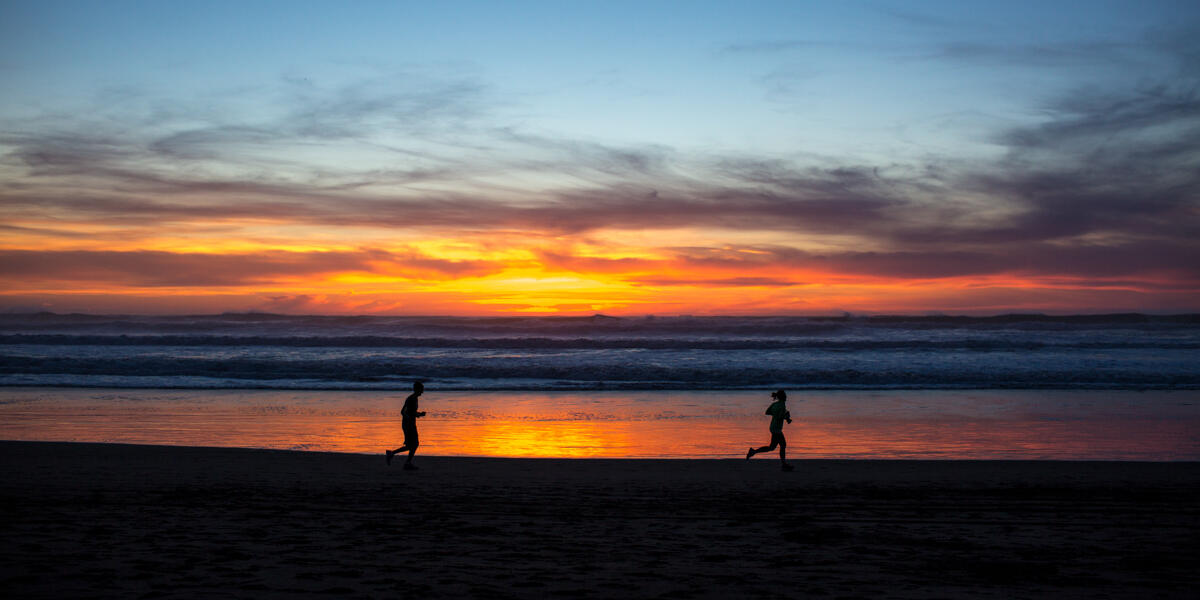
[942,424]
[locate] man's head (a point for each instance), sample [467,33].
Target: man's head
[779,395]
[418,387]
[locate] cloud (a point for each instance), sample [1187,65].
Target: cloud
[1064,54]
[1125,165]
[743,196]
[171,269]
[921,19]
[1138,184]
[735,266]
[588,264]
[726,282]
[583,157]
[1154,115]
[40,231]
[778,46]
[187,144]
[230,172]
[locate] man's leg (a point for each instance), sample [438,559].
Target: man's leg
[408,464]
[391,453]
[411,441]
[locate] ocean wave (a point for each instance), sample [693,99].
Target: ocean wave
[533,343]
[633,374]
[286,352]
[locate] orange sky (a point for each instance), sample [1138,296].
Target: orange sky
[218,266]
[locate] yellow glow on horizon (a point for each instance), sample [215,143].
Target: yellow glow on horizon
[383,270]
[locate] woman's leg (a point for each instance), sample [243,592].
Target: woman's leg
[774,442]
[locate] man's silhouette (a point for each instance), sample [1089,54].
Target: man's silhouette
[779,413]
[408,421]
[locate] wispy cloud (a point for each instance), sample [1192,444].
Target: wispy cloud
[1060,54]
[778,46]
[176,269]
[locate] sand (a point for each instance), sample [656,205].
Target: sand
[94,520]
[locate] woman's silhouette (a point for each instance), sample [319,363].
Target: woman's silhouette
[779,413]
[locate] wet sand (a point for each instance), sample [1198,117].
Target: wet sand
[1115,425]
[96,520]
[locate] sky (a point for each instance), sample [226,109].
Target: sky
[625,158]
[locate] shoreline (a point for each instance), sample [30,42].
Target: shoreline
[986,425]
[405,386]
[83,445]
[162,521]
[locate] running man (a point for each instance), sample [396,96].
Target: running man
[779,413]
[408,422]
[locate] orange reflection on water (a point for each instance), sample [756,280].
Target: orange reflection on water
[540,439]
[952,425]
[586,438]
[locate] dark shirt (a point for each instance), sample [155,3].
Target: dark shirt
[409,412]
[779,413]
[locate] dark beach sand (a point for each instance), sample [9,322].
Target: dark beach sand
[94,520]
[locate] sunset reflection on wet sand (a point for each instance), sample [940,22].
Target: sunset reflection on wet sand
[1108,425]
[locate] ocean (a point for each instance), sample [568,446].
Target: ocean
[266,351]
[1111,387]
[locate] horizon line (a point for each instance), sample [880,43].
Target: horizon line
[842,315]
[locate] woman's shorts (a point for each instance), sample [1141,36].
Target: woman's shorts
[777,439]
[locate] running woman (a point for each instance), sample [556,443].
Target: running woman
[779,413]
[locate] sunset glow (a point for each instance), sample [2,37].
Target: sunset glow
[978,160]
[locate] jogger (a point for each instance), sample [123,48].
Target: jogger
[779,413]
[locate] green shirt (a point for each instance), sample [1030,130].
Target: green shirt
[779,413]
